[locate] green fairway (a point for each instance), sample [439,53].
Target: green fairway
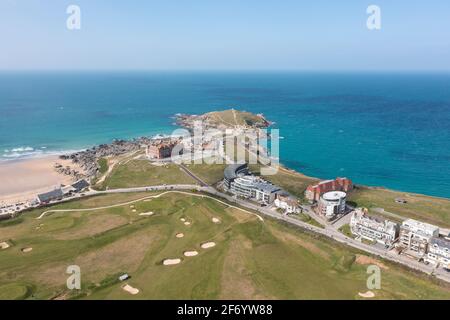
[141,173]
[250,260]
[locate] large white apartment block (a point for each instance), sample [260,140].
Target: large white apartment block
[439,252]
[415,235]
[252,187]
[373,228]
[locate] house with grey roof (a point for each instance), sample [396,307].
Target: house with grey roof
[50,196]
[80,185]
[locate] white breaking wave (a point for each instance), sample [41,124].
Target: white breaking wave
[29,152]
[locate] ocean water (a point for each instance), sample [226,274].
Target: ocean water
[380,129]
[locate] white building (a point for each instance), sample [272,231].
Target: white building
[252,187]
[373,228]
[332,203]
[415,235]
[286,202]
[439,252]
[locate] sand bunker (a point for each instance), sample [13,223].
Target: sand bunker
[150,213]
[190,253]
[130,289]
[361,259]
[28,249]
[187,223]
[179,235]
[4,245]
[207,245]
[368,294]
[215,220]
[182,219]
[169,262]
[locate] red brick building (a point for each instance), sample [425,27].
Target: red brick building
[313,192]
[160,150]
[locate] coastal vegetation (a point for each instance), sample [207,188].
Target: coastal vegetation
[224,119]
[103,165]
[251,259]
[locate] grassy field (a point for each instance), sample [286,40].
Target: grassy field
[233,118]
[424,208]
[141,173]
[103,163]
[209,173]
[251,259]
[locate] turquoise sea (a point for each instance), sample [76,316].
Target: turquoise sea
[381,129]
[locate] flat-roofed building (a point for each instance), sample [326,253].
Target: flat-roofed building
[232,172]
[252,187]
[46,197]
[265,192]
[332,204]
[373,228]
[439,252]
[415,235]
[314,192]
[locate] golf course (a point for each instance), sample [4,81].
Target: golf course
[184,245]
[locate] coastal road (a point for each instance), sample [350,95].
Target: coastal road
[192,175]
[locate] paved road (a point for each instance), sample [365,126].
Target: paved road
[192,175]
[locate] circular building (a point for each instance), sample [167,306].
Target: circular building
[332,203]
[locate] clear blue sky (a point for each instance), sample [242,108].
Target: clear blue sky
[225,34]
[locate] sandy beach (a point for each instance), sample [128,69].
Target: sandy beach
[23,179]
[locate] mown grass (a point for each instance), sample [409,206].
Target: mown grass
[251,259]
[345,229]
[141,173]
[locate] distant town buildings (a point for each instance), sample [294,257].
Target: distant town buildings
[373,228]
[439,252]
[332,204]
[415,236]
[314,192]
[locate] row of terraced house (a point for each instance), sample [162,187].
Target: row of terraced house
[417,239]
[414,238]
